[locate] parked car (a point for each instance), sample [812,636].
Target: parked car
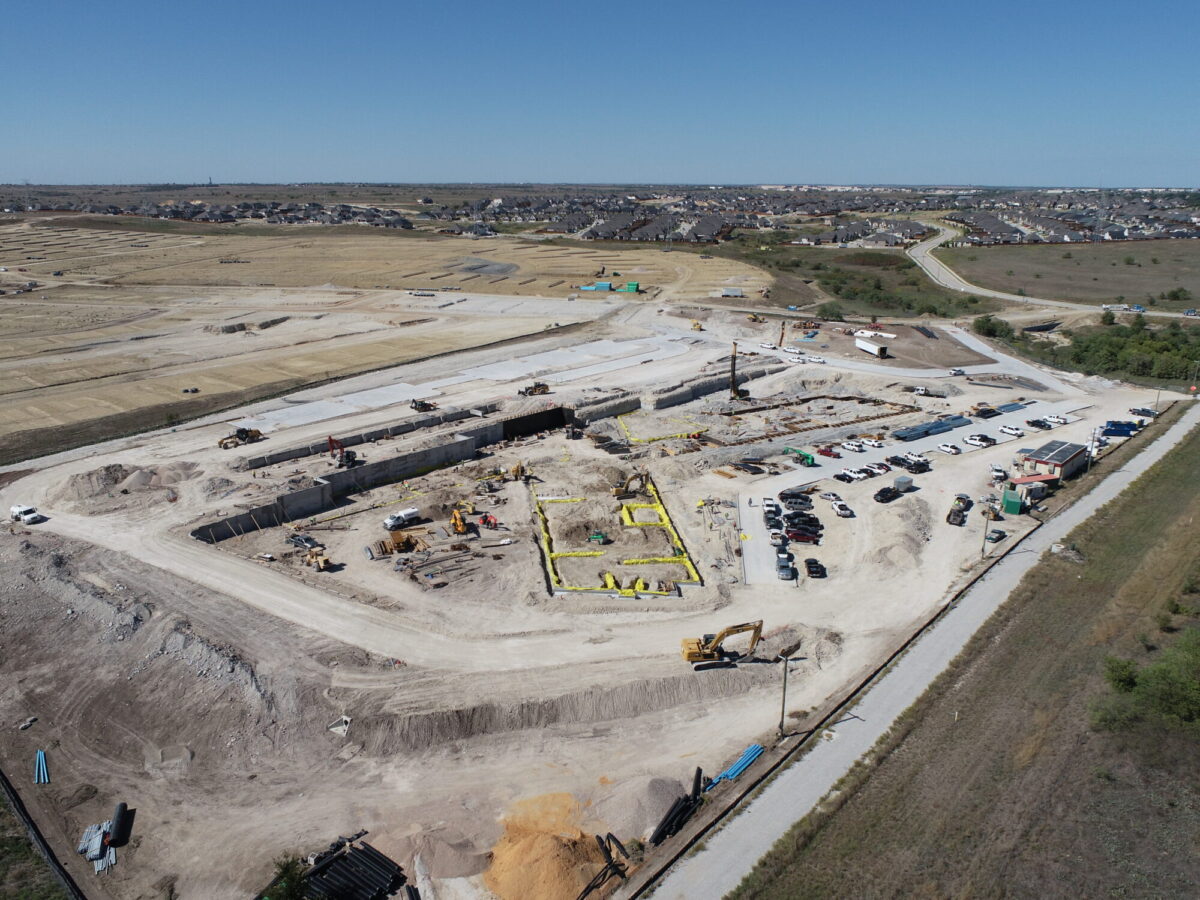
[957,372]
[855,474]
[872,442]
[802,537]
[842,477]
[1038,424]
[949,448]
[886,495]
[1143,411]
[769,503]
[853,446]
[1056,420]
[843,510]
[898,461]
[768,346]
[303,541]
[785,571]
[979,440]
[815,359]
[878,468]
[1012,430]
[830,452]
[996,535]
[813,568]
[986,413]
[830,496]
[777,539]
[794,505]
[916,458]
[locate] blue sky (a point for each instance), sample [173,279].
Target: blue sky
[1039,93]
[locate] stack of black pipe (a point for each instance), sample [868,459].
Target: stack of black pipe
[679,813]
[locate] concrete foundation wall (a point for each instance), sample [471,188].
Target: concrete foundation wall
[702,387]
[585,414]
[426,420]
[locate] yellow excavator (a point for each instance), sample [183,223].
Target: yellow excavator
[709,649]
[632,485]
[457,522]
[756,318]
[696,326]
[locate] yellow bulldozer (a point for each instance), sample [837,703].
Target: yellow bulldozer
[709,648]
[532,390]
[696,326]
[239,437]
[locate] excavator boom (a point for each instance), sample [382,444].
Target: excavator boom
[709,648]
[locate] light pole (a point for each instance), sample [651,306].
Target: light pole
[786,660]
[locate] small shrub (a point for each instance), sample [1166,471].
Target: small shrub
[1121,674]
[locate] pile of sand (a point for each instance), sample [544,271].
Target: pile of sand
[99,488]
[543,854]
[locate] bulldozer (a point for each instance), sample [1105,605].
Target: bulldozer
[709,648]
[239,437]
[533,390]
[457,522]
[423,405]
[696,326]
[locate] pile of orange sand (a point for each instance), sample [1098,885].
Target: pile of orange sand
[543,853]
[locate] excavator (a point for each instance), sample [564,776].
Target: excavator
[346,459]
[696,326]
[708,649]
[538,387]
[423,405]
[239,437]
[632,485]
[755,317]
[457,522]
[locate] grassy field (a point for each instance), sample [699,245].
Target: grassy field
[24,875]
[994,784]
[865,282]
[1133,272]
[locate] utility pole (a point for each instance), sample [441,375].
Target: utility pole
[786,660]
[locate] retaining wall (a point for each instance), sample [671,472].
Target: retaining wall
[586,413]
[702,387]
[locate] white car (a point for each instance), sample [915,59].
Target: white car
[769,504]
[976,440]
[1057,420]
[1012,430]
[842,509]
[957,372]
[871,442]
[949,448]
[916,457]
[795,350]
[768,346]
[855,446]
[854,474]
[878,468]
[778,539]
[831,497]
[815,359]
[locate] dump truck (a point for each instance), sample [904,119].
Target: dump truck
[709,648]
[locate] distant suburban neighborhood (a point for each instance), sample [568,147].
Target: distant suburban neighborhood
[865,217]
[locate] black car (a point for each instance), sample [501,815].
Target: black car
[844,478]
[916,468]
[1039,424]
[886,495]
[986,413]
[897,461]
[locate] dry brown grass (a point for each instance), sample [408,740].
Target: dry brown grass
[993,783]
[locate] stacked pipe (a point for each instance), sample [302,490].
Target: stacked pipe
[41,775]
[681,810]
[749,755]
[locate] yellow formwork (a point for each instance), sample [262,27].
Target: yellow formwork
[681,557]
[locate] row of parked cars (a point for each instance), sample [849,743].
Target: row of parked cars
[792,520]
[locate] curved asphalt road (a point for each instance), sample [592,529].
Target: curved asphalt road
[940,273]
[732,851]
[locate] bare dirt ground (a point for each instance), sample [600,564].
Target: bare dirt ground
[494,726]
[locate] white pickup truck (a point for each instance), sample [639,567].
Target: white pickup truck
[26,515]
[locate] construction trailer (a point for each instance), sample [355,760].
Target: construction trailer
[879,351]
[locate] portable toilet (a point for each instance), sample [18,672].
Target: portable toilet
[903,483]
[1011,503]
[604,285]
[632,287]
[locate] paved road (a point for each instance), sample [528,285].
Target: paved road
[731,852]
[942,274]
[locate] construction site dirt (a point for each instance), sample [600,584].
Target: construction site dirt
[430,680]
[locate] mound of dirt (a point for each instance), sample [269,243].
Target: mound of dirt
[105,488]
[543,854]
[633,808]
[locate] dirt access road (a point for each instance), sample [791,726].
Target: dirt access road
[730,854]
